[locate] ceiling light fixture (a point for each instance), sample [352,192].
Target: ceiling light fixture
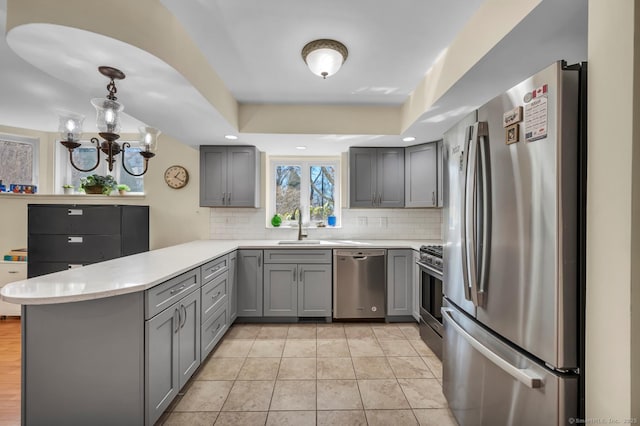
[231,137]
[301,147]
[324,57]
[408,139]
[108,123]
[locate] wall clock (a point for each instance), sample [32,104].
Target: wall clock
[176,177]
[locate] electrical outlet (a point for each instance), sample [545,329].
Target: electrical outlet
[362,221]
[383,222]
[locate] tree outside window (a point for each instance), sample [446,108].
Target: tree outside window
[305,184]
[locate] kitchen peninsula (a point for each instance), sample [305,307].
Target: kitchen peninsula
[94,338]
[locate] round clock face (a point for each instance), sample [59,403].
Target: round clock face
[176,177]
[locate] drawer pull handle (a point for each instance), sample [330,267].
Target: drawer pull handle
[74,212]
[214,297]
[13,272]
[175,290]
[218,327]
[74,265]
[74,240]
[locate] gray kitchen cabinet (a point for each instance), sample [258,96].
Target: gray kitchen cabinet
[440,165]
[297,283]
[280,290]
[376,177]
[421,175]
[249,282]
[400,282]
[233,288]
[314,290]
[172,352]
[189,337]
[229,176]
[416,286]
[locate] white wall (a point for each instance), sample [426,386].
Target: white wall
[386,224]
[613,213]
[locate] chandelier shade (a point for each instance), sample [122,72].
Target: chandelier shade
[108,111]
[324,57]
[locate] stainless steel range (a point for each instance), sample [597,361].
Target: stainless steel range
[431,266]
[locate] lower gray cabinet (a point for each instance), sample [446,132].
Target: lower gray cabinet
[249,283]
[297,283]
[416,286]
[189,336]
[233,287]
[280,290]
[172,353]
[213,329]
[399,282]
[314,290]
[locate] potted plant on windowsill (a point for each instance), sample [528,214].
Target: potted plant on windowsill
[67,189]
[96,184]
[122,188]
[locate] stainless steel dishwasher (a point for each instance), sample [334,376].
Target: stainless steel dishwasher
[359,283]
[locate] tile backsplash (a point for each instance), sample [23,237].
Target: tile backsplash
[384,224]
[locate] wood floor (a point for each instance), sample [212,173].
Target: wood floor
[10,371]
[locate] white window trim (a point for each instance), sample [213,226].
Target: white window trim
[35,143]
[63,166]
[304,163]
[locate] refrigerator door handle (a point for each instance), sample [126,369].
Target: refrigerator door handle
[482,131]
[471,213]
[463,215]
[523,375]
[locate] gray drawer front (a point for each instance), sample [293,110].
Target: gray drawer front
[164,295]
[214,294]
[212,331]
[214,268]
[297,256]
[73,248]
[74,219]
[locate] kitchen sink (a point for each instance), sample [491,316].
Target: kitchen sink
[299,242]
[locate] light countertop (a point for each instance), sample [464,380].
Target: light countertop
[145,270]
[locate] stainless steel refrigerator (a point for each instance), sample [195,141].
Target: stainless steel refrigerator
[513,276]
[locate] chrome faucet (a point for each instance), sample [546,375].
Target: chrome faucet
[300,234]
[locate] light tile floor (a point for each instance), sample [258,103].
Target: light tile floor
[316,374]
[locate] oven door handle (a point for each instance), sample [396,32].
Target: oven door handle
[429,270]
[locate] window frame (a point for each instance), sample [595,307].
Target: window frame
[63,167]
[35,144]
[305,162]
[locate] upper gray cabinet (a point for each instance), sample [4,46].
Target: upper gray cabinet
[229,176]
[421,176]
[376,177]
[440,169]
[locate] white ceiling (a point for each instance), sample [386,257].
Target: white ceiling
[254,46]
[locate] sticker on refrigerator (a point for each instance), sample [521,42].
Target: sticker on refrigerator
[512,134]
[535,115]
[512,117]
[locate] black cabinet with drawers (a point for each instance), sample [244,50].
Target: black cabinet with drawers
[65,236]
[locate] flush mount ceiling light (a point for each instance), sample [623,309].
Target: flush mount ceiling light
[409,139]
[108,123]
[324,57]
[231,137]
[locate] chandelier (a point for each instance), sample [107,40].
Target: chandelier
[324,57]
[108,122]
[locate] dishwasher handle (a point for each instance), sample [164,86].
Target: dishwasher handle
[360,254]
